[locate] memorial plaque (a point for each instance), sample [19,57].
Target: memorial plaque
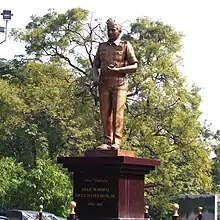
[95,195]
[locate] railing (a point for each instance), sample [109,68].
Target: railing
[41,213]
[175,210]
[175,207]
[177,217]
[199,216]
[72,215]
[146,214]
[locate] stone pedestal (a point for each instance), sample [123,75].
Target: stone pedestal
[109,184]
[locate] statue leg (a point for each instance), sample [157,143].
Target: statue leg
[106,113]
[119,100]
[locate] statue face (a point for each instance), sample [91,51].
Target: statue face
[113,32]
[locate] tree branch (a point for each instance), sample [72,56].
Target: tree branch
[69,62]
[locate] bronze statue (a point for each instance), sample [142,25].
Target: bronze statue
[115,59]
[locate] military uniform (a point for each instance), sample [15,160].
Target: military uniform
[113,89]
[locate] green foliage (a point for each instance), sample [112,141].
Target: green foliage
[8,67]
[56,120]
[12,175]
[216,161]
[69,39]
[12,108]
[45,184]
[53,31]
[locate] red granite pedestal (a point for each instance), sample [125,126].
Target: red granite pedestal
[109,184]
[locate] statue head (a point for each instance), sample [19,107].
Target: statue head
[114,29]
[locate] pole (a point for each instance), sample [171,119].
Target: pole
[6,31]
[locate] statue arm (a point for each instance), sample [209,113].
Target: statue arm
[131,60]
[95,73]
[95,66]
[128,69]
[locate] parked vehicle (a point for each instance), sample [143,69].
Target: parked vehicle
[3,217]
[29,215]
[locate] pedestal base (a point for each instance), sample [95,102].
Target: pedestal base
[114,218]
[108,186]
[109,153]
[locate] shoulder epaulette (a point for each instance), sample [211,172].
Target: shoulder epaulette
[101,43]
[124,42]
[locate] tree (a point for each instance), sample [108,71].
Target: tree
[70,38]
[162,120]
[12,175]
[11,108]
[55,120]
[45,185]
[215,137]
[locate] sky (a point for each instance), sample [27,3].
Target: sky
[197,19]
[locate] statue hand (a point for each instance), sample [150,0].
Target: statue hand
[113,69]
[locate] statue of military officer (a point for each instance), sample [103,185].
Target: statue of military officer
[115,59]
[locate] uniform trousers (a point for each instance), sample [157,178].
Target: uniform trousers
[112,97]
